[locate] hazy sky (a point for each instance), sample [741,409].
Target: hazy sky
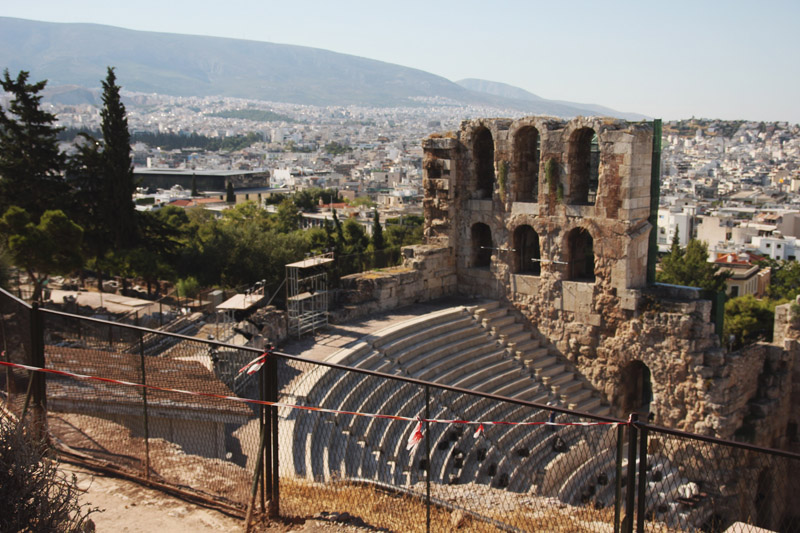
[676,59]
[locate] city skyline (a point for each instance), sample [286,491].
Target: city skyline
[713,59]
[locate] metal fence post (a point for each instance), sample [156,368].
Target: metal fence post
[144,404]
[630,489]
[38,379]
[618,478]
[264,466]
[642,488]
[428,459]
[272,365]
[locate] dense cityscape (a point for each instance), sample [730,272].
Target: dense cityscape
[734,174]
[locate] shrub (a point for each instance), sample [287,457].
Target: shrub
[36,496]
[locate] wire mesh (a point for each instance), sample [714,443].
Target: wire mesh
[206,443]
[699,485]
[15,343]
[482,464]
[504,478]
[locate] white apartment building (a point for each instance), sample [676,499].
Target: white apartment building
[672,218]
[776,246]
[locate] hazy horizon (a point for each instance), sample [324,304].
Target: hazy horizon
[728,60]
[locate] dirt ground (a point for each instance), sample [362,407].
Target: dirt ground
[128,507]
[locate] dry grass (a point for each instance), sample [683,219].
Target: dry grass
[406,513]
[301,499]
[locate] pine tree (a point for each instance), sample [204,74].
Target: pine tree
[230,197]
[30,161]
[690,267]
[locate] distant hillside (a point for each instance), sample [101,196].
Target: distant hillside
[186,65]
[554,107]
[498,89]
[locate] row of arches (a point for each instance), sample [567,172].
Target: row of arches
[526,257]
[583,159]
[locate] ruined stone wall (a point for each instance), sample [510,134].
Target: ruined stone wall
[613,319]
[604,325]
[426,274]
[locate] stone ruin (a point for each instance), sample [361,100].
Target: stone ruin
[552,217]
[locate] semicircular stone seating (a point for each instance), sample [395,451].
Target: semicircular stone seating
[484,348]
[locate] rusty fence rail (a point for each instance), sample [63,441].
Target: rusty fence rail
[340,440]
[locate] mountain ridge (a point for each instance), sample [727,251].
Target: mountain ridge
[77,54]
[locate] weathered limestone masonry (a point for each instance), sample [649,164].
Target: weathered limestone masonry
[427,273]
[551,216]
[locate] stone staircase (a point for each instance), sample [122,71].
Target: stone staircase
[550,369]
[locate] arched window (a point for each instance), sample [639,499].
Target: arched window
[581,255]
[483,153]
[481,246]
[526,163]
[527,254]
[584,167]
[637,389]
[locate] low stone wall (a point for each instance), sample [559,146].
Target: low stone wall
[426,274]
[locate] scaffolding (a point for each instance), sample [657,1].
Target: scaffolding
[307,294]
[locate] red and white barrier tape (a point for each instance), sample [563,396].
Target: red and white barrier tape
[413,440]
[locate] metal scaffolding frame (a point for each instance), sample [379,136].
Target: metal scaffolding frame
[307,294]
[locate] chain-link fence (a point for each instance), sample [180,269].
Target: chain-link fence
[398,453]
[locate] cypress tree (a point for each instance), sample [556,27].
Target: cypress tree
[117,166]
[378,242]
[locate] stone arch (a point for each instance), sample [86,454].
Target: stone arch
[481,241]
[584,167]
[636,388]
[526,164]
[527,252]
[580,255]
[483,155]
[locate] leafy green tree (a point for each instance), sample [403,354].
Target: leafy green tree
[784,279]
[309,199]
[50,247]
[363,200]
[188,287]
[151,266]
[317,239]
[5,268]
[335,148]
[404,231]
[690,267]
[30,160]
[288,217]
[748,320]
[339,232]
[166,232]
[355,236]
